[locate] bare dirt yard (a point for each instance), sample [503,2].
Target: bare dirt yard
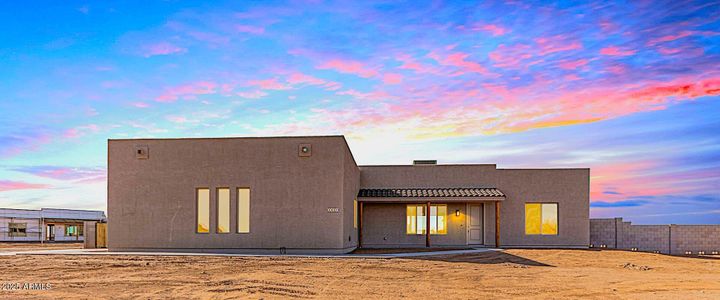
[508,274]
[13,247]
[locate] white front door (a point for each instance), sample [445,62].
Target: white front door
[475,224]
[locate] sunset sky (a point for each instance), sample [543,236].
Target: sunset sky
[628,89]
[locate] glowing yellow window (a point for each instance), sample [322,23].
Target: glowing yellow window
[203,210]
[355,214]
[223,199]
[243,210]
[541,218]
[416,219]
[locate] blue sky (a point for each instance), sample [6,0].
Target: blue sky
[630,90]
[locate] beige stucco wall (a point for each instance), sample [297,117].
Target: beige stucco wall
[152,205]
[567,187]
[384,226]
[350,187]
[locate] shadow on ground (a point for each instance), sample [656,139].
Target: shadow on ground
[490,257]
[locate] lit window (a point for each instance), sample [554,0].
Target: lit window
[416,219]
[243,210]
[203,210]
[70,230]
[541,218]
[355,214]
[17,229]
[223,199]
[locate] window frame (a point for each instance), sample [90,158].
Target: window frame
[17,233]
[197,209]
[427,226]
[237,210]
[217,210]
[557,219]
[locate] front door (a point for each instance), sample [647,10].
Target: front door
[475,224]
[51,232]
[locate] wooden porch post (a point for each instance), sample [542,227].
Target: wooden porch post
[497,224]
[360,213]
[427,225]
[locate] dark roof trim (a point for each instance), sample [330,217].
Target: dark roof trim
[230,138]
[464,192]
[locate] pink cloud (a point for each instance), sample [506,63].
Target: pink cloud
[81,131]
[140,104]
[187,91]
[670,37]
[7,185]
[510,56]
[558,43]
[668,51]
[298,78]
[250,29]
[615,51]
[409,63]
[495,30]
[84,174]
[269,84]
[573,64]
[162,48]
[252,95]
[419,117]
[176,119]
[392,78]
[349,67]
[458,60]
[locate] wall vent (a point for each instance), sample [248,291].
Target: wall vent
[142,152]
[424,162]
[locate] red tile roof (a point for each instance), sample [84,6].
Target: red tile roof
[432,192]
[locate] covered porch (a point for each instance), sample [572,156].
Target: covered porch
[429,217]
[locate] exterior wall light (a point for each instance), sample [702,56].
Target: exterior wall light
[633,249]
[688,252]
[714,253]
[701,253]
[457,212]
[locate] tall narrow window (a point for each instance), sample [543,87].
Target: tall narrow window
[355,214]
[223,199]
[243,210]
[541,218]
[203,210]
[416,219]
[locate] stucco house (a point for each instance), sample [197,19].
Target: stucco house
[308,195]
[46,224]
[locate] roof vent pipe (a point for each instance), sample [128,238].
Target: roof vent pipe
[424,162]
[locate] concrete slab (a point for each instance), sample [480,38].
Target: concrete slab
[105,252]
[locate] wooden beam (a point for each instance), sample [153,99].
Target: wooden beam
[497,224]
[427,225]
[360,215]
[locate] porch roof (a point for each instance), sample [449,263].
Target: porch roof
[454,193]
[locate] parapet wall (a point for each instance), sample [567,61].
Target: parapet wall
[667,239]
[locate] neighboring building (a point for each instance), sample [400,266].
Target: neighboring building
[45,224]
[307,195]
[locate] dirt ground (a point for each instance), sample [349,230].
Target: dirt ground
[509,274]
[12,247]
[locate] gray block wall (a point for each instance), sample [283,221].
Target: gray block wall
[668,239]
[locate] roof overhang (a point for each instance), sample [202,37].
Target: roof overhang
[429,199]
[424,195]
